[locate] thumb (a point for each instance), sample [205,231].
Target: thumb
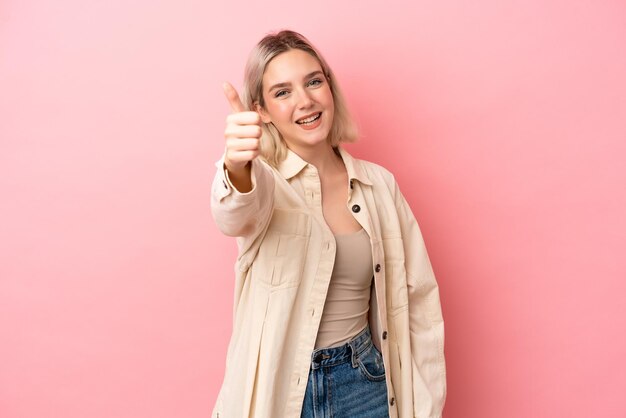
[233,97]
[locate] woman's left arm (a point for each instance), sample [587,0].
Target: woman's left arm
[425,316]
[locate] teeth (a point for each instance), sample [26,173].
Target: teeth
[309,120]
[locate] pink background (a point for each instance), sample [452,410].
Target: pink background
[504,122]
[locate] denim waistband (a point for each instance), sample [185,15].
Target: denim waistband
[326,357]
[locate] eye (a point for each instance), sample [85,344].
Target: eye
[315,82]
[280,93]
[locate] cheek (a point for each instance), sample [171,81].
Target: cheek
[328,98]
[280,111]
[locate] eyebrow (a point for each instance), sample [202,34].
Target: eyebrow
[279,85]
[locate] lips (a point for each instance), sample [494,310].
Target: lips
[309,119]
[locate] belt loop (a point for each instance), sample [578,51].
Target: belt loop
[353,356]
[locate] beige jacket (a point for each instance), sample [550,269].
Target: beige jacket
[285,261]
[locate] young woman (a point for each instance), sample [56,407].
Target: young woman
[336,308]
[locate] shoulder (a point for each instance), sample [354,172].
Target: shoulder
[377,174]
[383,182]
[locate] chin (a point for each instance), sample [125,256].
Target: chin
[315,141]
[309,140]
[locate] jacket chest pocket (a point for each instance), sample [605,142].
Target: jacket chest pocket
[282,254]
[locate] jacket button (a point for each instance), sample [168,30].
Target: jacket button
[356,208]
[351,185]
[392,401]
[224,183]
[384,335]
[377,268]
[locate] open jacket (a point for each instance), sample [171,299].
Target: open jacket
[283,269]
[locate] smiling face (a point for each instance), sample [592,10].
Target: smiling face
[298,99]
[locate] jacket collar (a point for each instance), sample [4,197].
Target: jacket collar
[293,164]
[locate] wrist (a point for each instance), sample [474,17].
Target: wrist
[238,171]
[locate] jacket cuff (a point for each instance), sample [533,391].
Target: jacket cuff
[224,187]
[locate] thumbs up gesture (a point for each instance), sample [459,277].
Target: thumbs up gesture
[242,133]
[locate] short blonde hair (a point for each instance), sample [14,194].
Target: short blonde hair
[273,146]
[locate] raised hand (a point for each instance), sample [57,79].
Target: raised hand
[242,133]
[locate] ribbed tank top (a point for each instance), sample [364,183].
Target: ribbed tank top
[347,301]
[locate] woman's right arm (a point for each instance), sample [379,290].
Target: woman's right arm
[242,195]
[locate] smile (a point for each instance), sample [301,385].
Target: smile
[309,120]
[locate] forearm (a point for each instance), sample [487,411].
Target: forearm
[241,179]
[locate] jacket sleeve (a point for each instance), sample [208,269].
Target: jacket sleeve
[425,317]
[242,214]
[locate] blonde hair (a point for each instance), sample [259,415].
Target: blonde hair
[273,146]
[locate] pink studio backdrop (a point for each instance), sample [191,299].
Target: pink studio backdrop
[504,122]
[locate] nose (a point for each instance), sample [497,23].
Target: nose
[304,99]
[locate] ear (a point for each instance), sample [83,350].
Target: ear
[265,117]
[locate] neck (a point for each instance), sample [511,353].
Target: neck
[323,158]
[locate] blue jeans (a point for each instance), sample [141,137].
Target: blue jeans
[347,381]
